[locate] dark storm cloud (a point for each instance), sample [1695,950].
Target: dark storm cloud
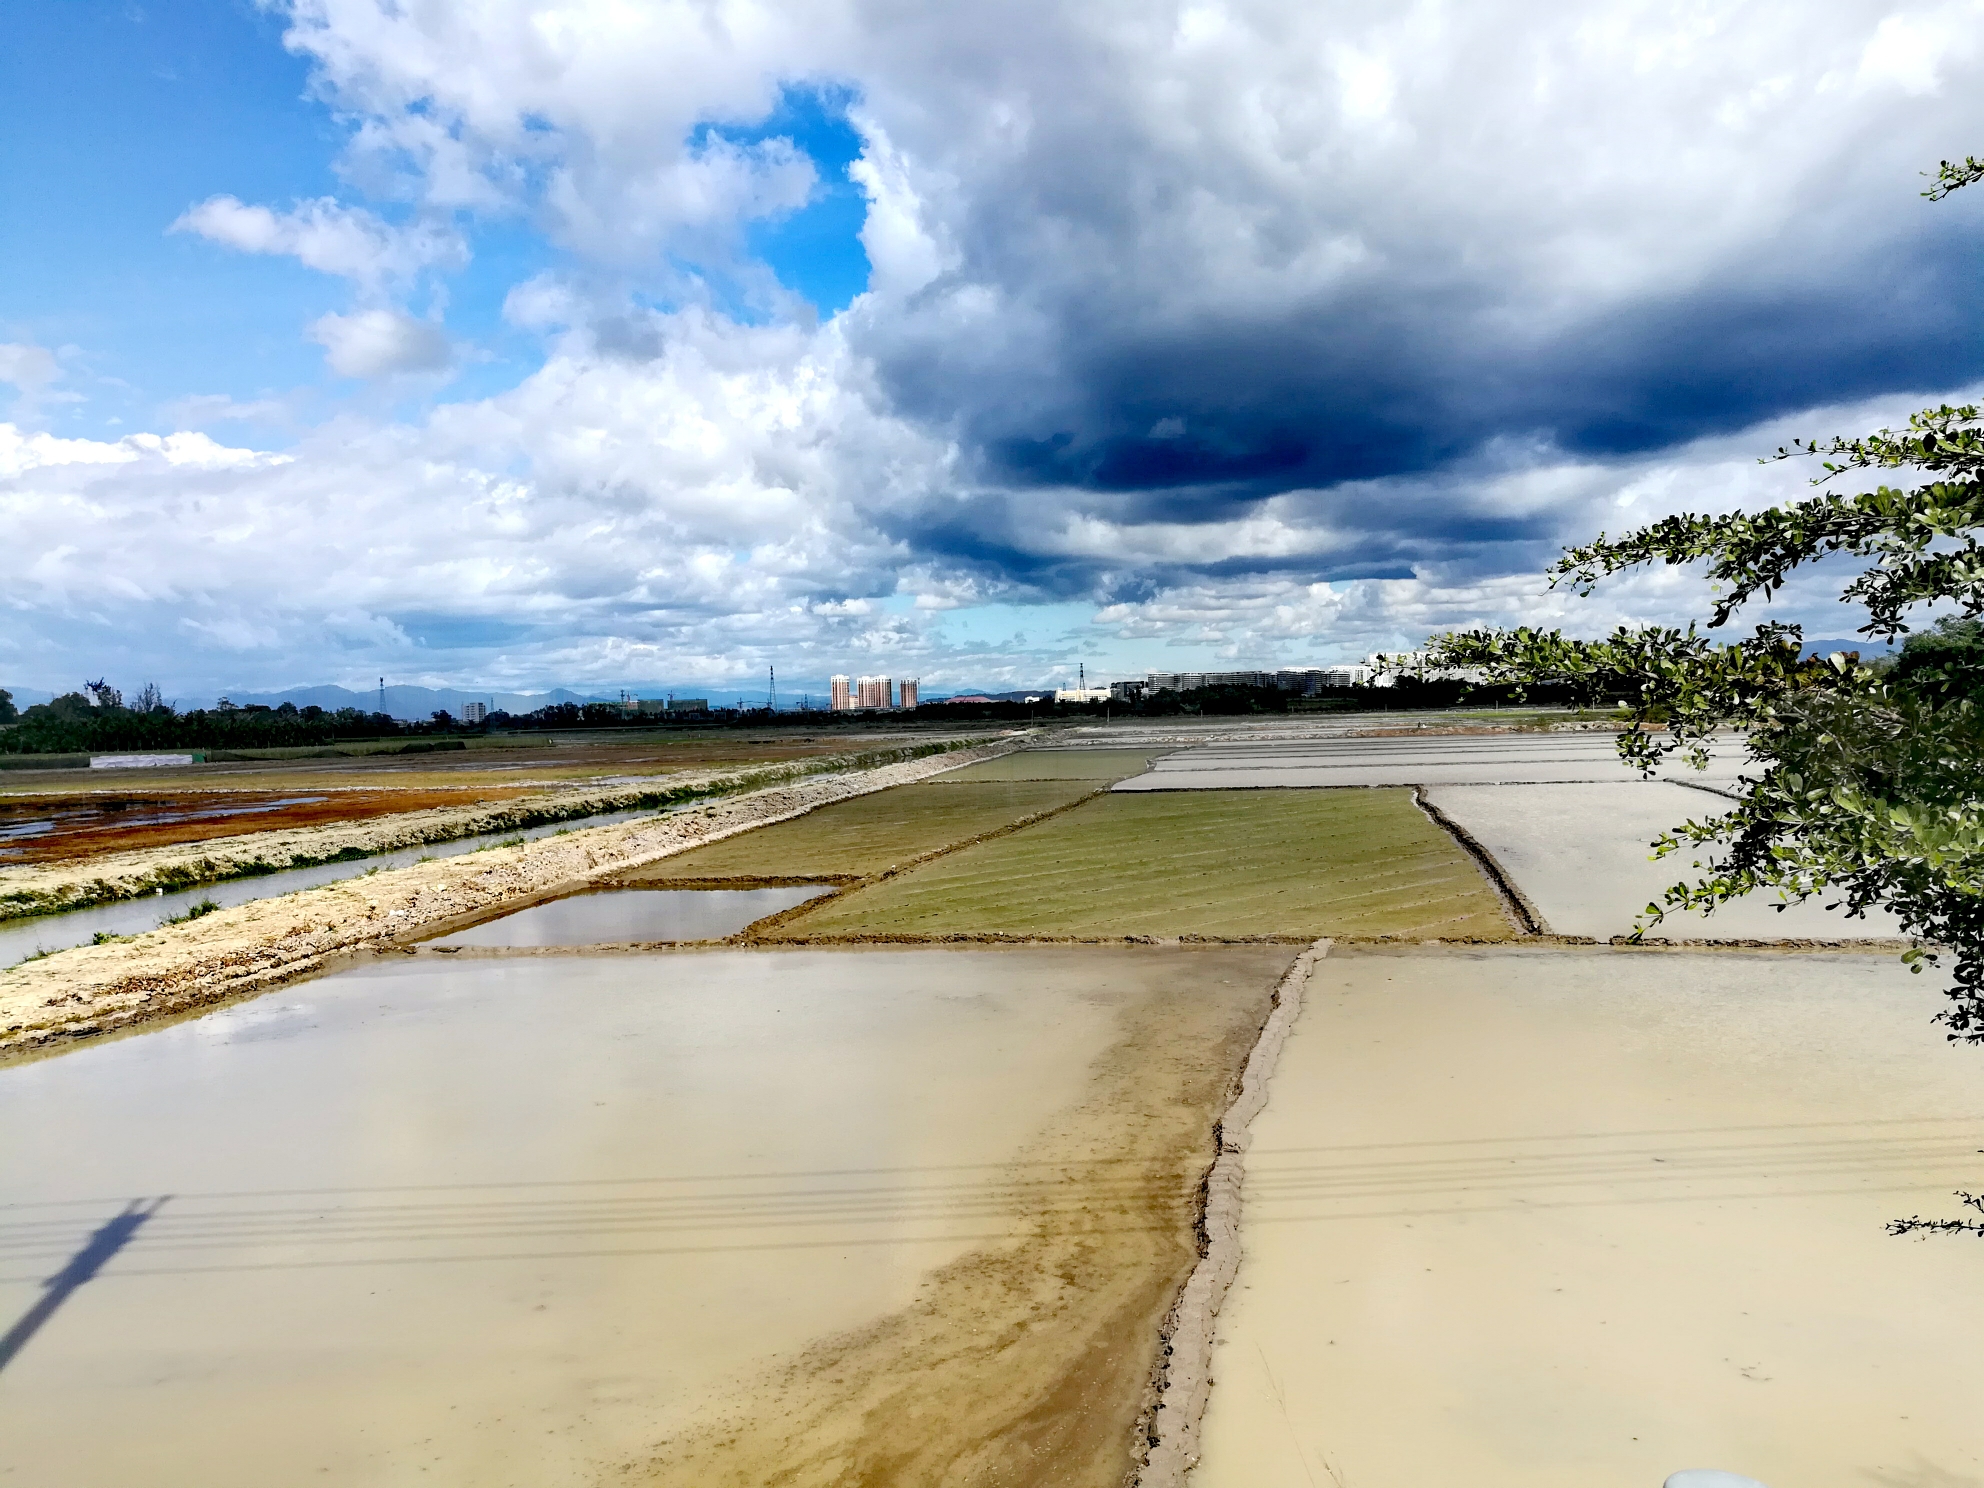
[1202,423]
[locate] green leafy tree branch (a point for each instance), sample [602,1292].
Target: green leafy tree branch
[1867,781]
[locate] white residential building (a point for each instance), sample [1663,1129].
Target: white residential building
[475,712]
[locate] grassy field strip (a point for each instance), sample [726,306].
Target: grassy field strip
[92,990]
[769,928]
[1515,903]
[1293,864]
[53,887]
[856,840]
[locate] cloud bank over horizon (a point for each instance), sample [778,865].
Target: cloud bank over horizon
[1191,332]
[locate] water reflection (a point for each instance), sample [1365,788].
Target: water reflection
[621,916]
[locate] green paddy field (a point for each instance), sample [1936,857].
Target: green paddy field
[1295,864]
[854,840]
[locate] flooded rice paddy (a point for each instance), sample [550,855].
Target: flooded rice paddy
[1552,1218]
[1296,864]
[624,916]
[682,1216]
[1583,856]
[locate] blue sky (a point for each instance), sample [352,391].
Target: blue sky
[527,344]
[121,115]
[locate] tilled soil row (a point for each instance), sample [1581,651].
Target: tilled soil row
[95,990]
[106,878]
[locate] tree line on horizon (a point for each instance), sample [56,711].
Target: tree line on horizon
[98,717]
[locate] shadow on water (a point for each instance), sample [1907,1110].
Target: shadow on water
[110,1237]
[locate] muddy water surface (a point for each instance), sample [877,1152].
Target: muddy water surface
[1560,1219]
[620,916]
[519,1221]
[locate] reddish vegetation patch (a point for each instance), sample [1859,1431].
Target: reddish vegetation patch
[56,828]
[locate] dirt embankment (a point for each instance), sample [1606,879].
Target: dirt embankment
[101,989]
[50,887]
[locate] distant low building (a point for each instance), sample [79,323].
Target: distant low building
[1081,694]
[688,705]
[972,697]
[1127,692]
[1193,681]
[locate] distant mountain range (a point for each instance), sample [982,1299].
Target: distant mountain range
[1868,649]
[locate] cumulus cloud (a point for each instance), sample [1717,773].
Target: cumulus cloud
[1265,328]
[376,343]
[677,517]
[324,235]
[27,367]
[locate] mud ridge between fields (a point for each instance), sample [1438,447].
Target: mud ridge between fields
[91,991]
[1028,1362]
[1184,1385]
[1528,920]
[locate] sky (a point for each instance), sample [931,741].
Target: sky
[528,343]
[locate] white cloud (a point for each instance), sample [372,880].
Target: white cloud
[1417,234]
[324,235]
[377,343]
[22,452]
[28,367]
[205,408]
[701,516]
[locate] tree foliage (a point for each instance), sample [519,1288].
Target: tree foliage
[1867,781]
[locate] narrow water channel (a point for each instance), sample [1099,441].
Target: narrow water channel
[507,1220]
[20,939]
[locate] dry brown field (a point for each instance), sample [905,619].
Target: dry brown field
[67,815]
